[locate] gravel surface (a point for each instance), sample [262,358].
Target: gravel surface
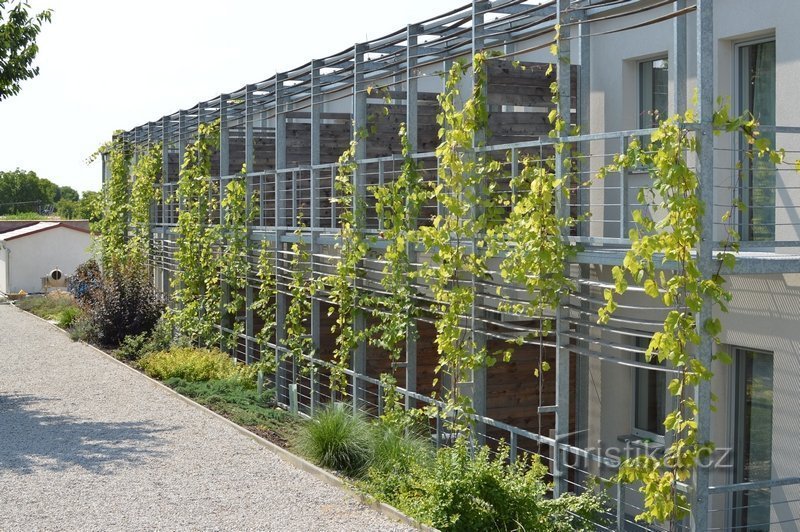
[86,444]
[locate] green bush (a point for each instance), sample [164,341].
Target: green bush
[338,440]
[68,317]
[479,491]
[135,346]
[191,364]
[83,329]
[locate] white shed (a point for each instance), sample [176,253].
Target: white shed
[29,253]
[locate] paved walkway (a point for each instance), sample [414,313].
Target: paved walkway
[86,444]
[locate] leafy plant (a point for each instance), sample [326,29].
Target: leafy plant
[480,490]
[675,236]
[83,329]
[85,281]
[190,364]
[265,302]
[135,346]
[146,173]
[233,266]
[111,230]
[68,316]
[196,287]
[455,239]
[126,304]
[338,440]
[18,32]
[397,453]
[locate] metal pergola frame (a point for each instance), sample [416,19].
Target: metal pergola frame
[397,60]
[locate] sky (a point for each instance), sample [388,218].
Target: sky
[111,64]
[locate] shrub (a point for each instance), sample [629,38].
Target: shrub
[338,440]
[86,280]
[125,304]
[68,316]
[190,364]
[83,329]
[484,492]
[135,346]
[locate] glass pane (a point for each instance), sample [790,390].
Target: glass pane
[754,438]
[650,406]
[757,95]
[653,92]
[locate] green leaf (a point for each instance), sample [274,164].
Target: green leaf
[651,288]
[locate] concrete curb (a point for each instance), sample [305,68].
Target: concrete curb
[296,461]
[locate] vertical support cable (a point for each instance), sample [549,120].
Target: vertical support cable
[678,63]
[411,251]
[476,322]
[165,200]
[562,319]
[249,324]
[359,189]
[584,120]
[226,321]
[705,248]
[316,114]
[281,295]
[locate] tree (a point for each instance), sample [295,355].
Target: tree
[24,191]
[89,206]
[67,193]
[18,48]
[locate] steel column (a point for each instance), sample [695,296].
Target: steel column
[705,248]
[563,63]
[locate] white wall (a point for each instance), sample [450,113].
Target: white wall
[34,256]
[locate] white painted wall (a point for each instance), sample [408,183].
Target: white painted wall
[34,256]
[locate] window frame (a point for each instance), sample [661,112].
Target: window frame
[744,224]
[641,111]
[642,341]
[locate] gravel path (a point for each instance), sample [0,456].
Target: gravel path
[86,444]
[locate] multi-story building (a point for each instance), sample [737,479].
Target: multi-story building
[628,64]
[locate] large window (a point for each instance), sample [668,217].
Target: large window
[653,92]
[756,90]
[753,444]
[650,394]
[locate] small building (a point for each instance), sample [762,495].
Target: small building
[31,252]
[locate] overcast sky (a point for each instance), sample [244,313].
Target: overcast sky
[108,64]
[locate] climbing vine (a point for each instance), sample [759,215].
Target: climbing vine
[233,263]
[301,289]
[146,175]
[112,231]
[455,240]
[265,302]
[670,235]
[196,287]
[397,206]
[342,284]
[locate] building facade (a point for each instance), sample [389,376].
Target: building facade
[625,66]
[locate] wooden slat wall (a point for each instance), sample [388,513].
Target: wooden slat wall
[524,85]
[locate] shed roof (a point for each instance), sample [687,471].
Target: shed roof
[36,228]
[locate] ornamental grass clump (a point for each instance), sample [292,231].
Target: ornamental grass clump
[338,440]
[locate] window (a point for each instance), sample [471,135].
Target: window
[756,94]
[753,443]
[653,92]
[650,397]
